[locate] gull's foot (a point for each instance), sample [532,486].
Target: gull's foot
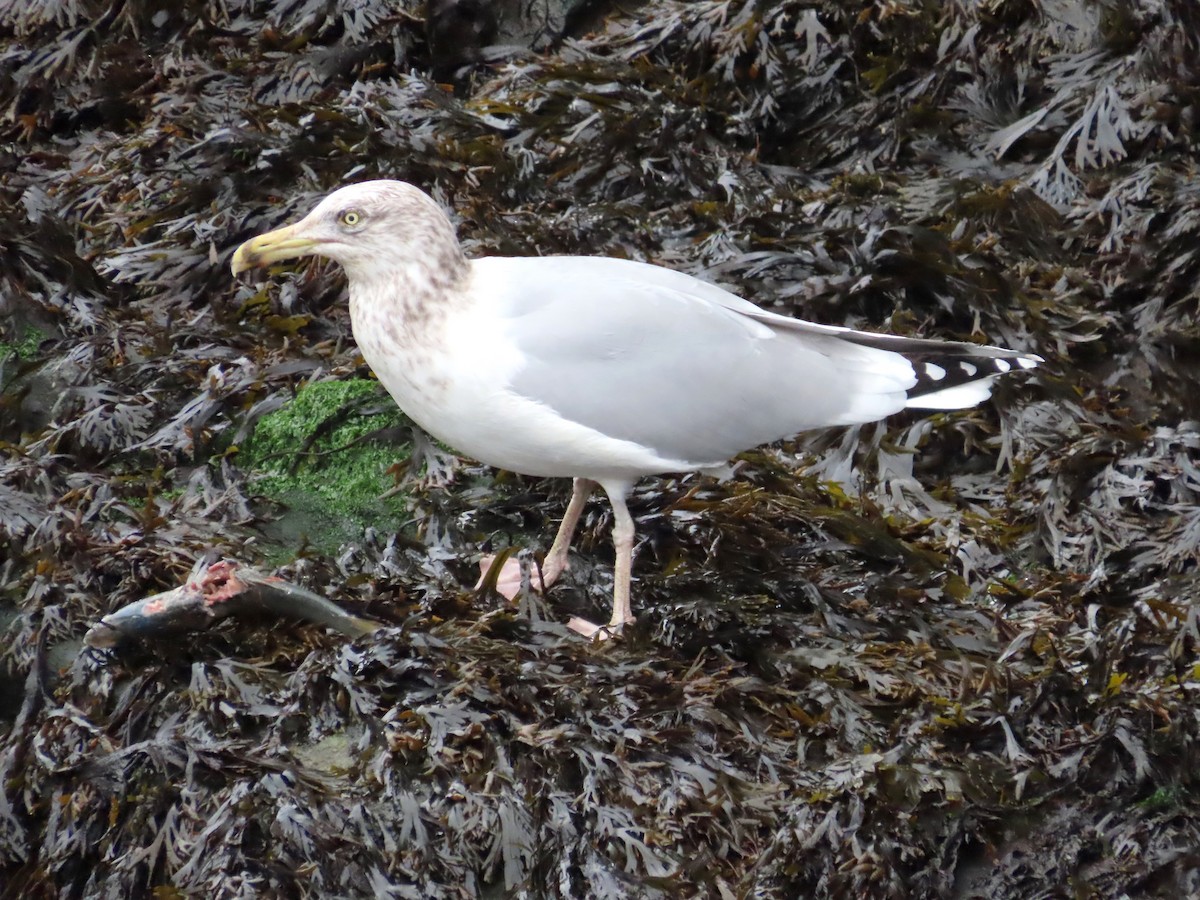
[594,632]
[509,579]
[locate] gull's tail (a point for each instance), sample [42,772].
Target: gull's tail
[949,375]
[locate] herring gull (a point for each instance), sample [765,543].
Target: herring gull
[602,370]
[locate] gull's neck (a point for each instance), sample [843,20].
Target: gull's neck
[408,290]
[399,305]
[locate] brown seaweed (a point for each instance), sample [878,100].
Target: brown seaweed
[945,657]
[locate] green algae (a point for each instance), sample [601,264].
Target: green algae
[24,347]
[324,457]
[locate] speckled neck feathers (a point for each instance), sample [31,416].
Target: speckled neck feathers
[409,280]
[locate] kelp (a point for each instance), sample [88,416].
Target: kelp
[947,655]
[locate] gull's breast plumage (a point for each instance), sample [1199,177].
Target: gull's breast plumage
[452,374]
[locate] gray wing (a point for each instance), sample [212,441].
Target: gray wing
[676,364]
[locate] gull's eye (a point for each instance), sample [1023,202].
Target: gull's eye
[350,218]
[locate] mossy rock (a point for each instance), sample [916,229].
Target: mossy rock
[324,455]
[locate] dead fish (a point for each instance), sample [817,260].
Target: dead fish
[225,588]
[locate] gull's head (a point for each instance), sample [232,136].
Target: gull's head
[367,228]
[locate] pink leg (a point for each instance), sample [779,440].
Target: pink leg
[508,581]
[556,559]
[623,531]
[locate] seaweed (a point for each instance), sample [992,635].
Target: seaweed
[953,655]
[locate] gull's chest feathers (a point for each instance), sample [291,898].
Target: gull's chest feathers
[441,362]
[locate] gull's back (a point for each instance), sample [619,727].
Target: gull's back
[675,364]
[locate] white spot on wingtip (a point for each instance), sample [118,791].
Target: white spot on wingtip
[968,368]
[1028,362]
[937,373]
[1002,365]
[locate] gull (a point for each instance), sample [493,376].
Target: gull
[599,369]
